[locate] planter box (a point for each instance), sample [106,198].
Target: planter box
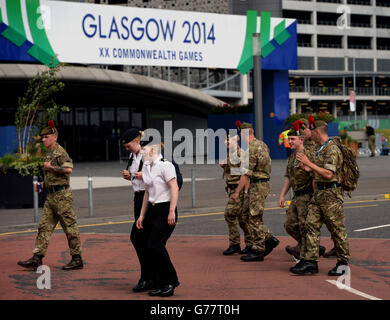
[16,191]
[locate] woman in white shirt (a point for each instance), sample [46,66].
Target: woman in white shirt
[131,141]
[159,217]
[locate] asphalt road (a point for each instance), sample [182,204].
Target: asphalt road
[364,219]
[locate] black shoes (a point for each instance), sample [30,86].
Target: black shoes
[165,291]
[75,263]
[253,256]
[303,267]
[32,263]
[246,250]
[143,285]
[270,244]
[330,253]
[294,251]
[232,249]
[340,268]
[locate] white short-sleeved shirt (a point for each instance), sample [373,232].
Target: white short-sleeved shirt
[138,185]
[156,180]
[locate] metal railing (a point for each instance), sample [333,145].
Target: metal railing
[337,91]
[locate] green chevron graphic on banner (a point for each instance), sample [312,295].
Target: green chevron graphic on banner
[246,61]
[41,50]
[15,32]
[265,34]
[281,35]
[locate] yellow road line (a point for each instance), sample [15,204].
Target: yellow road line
[371,205]
[185,216]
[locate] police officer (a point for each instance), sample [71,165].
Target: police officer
[326,205]
[234,211]
[301,183]
[131,140]
[58,205]
[258,170]
[159,216]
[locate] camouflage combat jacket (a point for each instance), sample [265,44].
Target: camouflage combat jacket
[58,157]
[330,158]
[309,144]
[259,160]
[299,178]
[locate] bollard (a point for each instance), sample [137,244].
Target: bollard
[35,192]
[90,196]
[193,186]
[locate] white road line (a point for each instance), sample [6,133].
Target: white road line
[372,228]
[354,291]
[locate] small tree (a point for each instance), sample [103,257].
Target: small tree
[36,107]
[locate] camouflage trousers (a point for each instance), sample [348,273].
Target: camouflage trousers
[236,215]
[257,194]
[326,206]
[58,208]
[296,220]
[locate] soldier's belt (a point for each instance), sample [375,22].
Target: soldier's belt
[330,185]
[303,192]
[255,180]
[56,188]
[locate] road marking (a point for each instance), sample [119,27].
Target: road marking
[354,291]
[372,228]
[370,205]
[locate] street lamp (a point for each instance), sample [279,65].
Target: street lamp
[257,86]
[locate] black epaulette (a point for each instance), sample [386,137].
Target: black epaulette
[163,159]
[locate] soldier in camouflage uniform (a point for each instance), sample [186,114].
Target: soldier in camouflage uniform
[258,171]
[326,205]
[58,205]
[235,210]
[301,183]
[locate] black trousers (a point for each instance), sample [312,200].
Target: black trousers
[158,232]
[138,238]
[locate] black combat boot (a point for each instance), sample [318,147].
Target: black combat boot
[330,253]
[75,263]
[298,265]
[294,251]
[232,249]
[270,244]
[253,256]
[339,269]
[305,267]
[322,251]
[33,263]
[246,250]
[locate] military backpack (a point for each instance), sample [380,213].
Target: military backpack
[350,172]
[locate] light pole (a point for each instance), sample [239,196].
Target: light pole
[257,87]
[354,83]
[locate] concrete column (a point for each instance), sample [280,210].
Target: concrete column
[293,106]
[244,89]
[334,109]
[299,107]
[365,110]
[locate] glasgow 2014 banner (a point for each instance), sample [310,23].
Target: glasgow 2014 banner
[51,32]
